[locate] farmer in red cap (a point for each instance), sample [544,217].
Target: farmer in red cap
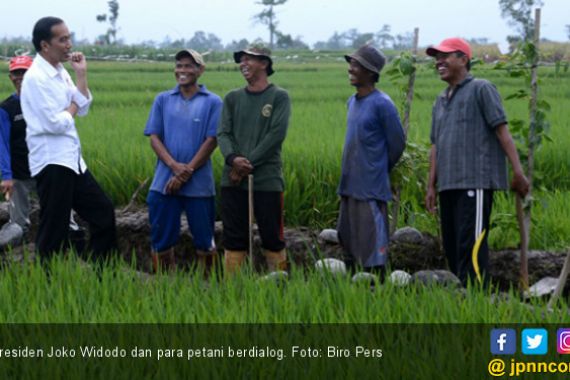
[470,143]
[16,180]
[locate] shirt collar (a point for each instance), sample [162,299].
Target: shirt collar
[466,80]
[47,67]
[201,90]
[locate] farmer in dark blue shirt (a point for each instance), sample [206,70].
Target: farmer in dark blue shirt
[375,140]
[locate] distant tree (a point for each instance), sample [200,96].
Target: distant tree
[383,37]
[350,36]
[519,15]
[568,30]
[178,44]
[110,37]
[336,41]
[202,41]
[285,41]
[237,45]
[268,17]
[363,39]
[479,41]
[320,45]
[513,42]
[166,42]
[403,41]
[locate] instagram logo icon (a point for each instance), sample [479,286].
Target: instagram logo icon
[563,341]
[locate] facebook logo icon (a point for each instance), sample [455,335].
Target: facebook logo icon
[503,341]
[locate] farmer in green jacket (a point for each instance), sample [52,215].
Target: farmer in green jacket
[252,129]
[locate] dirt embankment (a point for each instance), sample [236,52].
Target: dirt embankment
[410,250]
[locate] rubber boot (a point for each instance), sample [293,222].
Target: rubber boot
[233,261]
[276,261]
[207,262]
[163,261]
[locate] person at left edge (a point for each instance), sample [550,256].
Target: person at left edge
[182,128]
[16,182]
[50,102]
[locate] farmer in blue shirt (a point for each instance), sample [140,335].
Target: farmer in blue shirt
[182,128]
[374,143]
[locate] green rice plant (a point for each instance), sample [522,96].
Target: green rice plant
[73,292]
[120,156]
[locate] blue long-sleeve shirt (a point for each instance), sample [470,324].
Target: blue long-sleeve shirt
[375,141]
[5,162]
[13,148]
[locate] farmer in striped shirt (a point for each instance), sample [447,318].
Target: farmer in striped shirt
[470,143]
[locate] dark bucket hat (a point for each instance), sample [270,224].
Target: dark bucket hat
[256,51]
[369,57]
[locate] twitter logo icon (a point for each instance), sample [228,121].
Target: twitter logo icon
[534,341]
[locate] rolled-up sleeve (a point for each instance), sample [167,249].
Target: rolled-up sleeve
[155,122]
[83,103]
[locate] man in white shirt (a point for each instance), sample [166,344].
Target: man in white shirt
[50,101]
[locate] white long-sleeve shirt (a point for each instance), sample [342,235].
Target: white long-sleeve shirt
[51,135]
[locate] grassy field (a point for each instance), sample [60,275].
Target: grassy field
[74,294]
[121,158]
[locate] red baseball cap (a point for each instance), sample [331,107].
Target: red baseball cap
[450,45]
[22,62]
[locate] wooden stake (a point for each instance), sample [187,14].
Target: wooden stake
[524,211]
[395,207]
[561,281]
[250,207]
[411,81]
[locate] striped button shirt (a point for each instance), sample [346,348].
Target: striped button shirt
[469,154]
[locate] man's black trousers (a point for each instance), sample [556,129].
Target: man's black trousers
[464,216]
[60,190]
[268,210]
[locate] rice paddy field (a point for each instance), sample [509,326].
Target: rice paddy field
[120,157]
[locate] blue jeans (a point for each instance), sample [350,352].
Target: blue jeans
[164,212]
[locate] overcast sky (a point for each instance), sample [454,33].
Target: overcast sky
[313,20]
